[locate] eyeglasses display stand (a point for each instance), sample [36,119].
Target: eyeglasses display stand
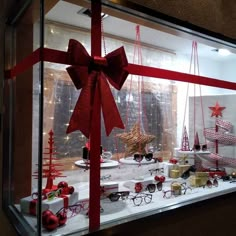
[106,164]
[131,161]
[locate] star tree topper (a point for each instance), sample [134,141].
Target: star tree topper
[135,140]
[217,110]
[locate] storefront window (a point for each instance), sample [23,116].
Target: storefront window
[177,147]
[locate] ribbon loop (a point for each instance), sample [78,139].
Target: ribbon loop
[90,73]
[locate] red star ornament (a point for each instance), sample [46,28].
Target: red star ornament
[217,110]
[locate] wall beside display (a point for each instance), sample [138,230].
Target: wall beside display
[149,177]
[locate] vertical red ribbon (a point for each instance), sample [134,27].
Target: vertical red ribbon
[95,136]
[32,207]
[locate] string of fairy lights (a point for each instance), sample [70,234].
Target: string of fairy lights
[55,96]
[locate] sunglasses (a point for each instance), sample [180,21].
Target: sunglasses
[117,195]
[139,157]
[51,195]
[156,170]
[210,183]
[198,148]
[152,187]
[140,197]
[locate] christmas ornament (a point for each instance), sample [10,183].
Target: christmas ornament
[62,184]
[62,218]
[138,187]
[49,220]
[135,140]
[217,110]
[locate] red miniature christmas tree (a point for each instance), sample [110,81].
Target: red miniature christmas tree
[185,141]
[49,167]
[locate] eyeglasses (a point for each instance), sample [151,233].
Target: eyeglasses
[156,170]
[184,190]
[117,195]
[198,148]
[49,196]
[152,187]
[104,177]
[210,183]
[138,199]
[71,211]
[139,157]
[36,194]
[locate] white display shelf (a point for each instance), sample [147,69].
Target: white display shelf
[131,161]
[193,152]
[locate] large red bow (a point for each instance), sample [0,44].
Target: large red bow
[90,74]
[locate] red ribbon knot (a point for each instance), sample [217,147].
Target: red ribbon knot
[90,74]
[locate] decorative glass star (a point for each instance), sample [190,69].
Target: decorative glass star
[135,140]
[217,110]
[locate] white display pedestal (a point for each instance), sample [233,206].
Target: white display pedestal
[131,161]
[107,164]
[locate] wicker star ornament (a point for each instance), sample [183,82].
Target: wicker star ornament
[135,140]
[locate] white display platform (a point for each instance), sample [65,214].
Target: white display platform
[193,152]
[107,164]
[131,161]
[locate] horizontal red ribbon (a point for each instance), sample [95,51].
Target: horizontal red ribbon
[61,57]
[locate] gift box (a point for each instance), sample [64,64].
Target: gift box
[202,174]
[196,181]
[176,188]
[107,188]
[183,168]
[29,205]
[174,174]
[132,184]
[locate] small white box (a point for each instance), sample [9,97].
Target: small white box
[131,184]
[107,188]
[167,167]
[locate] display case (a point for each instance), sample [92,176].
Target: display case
[112,117]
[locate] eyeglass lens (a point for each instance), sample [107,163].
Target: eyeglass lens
[148,156]
[148,198]
[114,197]
[137,200]
[138,157]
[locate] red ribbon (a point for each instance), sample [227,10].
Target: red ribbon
[91,74]
[65,200]
[32,207]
